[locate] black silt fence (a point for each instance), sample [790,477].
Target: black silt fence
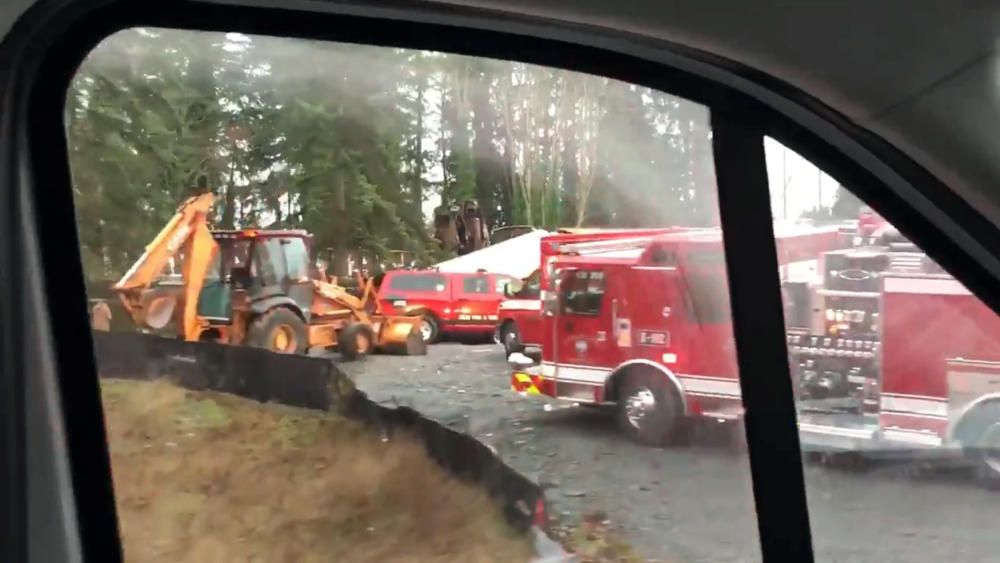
[318,384]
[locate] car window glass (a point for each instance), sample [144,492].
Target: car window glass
[895,365]
[393,157]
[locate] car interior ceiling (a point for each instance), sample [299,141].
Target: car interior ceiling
[48,357]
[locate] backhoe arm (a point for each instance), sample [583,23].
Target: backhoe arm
[188,230]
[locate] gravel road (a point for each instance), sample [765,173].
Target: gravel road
[682,504]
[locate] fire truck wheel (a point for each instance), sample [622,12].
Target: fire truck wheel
[510,337]
[979,433]
[988,452]
[649,409]
[279,330]
[355,341]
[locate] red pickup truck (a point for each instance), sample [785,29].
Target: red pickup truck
[451,304]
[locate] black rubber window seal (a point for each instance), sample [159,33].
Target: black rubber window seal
[759,329]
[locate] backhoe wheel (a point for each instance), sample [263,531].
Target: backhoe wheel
[279,330]
[430,330]
[649,409]
[355,341]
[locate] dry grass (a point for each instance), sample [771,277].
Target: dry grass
[206,477]
[594,541]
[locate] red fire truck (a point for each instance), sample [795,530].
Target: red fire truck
[520,315]
[889,353]
[898,356]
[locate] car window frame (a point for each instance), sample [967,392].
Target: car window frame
[51,39]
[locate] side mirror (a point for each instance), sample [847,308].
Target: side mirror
[512,288]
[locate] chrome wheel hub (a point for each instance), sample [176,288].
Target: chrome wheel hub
[639,405]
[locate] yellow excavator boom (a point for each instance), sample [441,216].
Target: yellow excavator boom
[187,230]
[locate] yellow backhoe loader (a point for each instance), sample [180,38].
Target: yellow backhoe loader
[254,287]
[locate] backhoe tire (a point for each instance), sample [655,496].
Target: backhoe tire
[355,341]
[649,409]
[414,345]
[279,330]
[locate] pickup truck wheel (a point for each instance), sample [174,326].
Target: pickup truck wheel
[429,329]
[279,330]
[510,337]
[355,341]
[648,409]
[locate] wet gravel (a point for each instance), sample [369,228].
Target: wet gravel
[691,503]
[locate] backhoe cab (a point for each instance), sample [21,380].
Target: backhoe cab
[254,287]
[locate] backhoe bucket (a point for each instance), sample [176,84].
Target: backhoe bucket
[400,336]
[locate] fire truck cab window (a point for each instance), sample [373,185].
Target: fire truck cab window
[583,293]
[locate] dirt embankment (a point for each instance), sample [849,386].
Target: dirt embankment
[210,477]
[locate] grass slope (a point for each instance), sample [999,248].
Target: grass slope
[204,477]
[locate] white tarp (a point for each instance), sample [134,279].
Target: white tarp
[518,257]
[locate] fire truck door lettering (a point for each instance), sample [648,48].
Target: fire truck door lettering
[624,330]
